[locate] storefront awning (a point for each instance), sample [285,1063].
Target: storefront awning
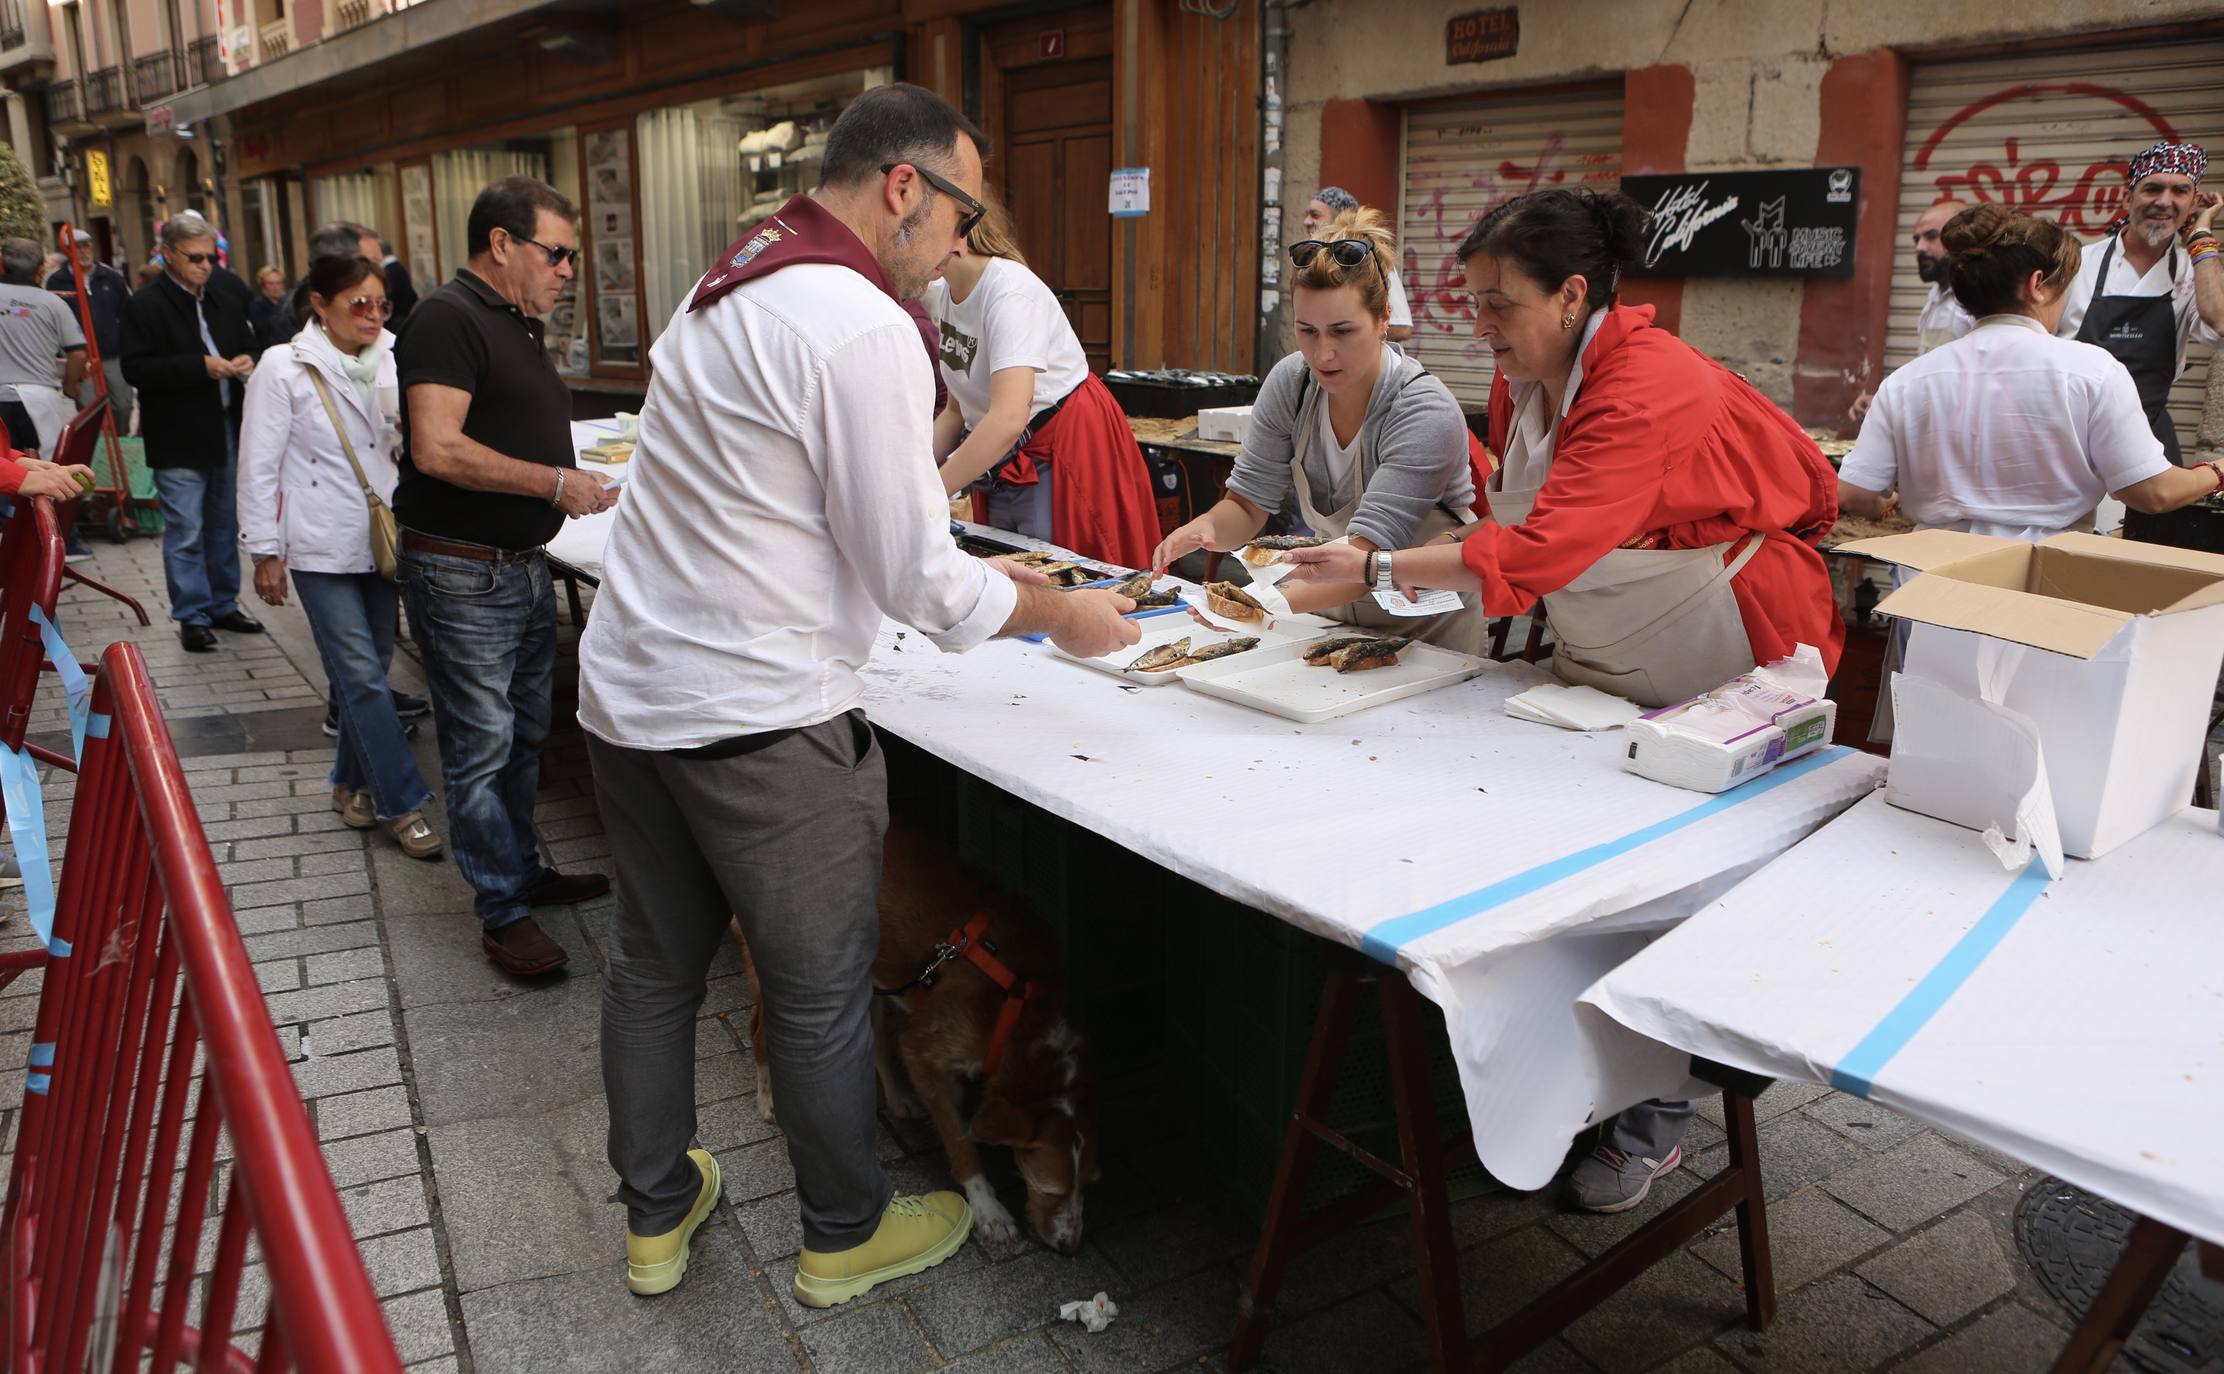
[391,37]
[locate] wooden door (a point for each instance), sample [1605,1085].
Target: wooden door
[1050,113]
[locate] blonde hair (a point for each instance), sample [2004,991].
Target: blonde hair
[993,236]
[270,269]
[1371,277]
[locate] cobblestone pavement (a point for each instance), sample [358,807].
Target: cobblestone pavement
[463,1119]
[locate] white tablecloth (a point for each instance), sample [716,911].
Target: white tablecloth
[1503,865]
[2077,1025]
[580,541]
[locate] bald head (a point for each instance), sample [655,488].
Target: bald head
[1930,253]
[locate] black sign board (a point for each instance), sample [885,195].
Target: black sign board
[1482,36]
[1796,222]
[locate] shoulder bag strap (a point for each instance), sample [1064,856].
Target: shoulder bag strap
[347,446]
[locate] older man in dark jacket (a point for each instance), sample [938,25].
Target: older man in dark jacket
[189,351]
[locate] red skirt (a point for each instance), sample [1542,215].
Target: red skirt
[1101,505]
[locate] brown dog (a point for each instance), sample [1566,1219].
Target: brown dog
[1037,1098]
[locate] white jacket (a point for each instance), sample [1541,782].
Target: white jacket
[298,498]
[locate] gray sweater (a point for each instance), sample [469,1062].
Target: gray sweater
[1412,450]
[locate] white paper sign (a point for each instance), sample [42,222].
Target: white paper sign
[1436,601]
[1131,191]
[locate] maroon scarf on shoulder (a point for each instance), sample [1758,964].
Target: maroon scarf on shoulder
[805,231]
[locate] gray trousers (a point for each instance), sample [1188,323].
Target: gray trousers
[119,393]
[1650,1130]
[785,836]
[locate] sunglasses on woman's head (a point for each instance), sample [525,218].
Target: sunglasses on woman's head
[1346,252]
[364,307]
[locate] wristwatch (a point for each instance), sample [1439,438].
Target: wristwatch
[1384,582]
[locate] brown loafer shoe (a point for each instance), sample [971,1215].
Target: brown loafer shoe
[523,950]
[414,836]
[357,810]
[560,889]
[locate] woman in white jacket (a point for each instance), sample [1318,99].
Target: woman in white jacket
[303,510]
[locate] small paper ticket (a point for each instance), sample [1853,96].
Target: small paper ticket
[1436,601]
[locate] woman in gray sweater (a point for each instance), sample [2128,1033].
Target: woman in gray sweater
[1375,448]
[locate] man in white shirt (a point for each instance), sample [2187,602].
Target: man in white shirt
[783,498]
[2143,295]
[1331,201]
[1942,319]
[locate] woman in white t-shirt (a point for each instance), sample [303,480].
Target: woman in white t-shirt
[1046,450]
[2008,430]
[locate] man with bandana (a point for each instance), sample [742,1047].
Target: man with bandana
[2153,287]
[1942,319]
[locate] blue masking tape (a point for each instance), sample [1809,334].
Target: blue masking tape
[19,787]
[1857,1072]
[96,727]
[75,686]
[35,1083]
[42,1055]
[59,949]
[1383,941]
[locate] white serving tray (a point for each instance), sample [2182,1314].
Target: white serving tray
[1165,629]
[1277,679]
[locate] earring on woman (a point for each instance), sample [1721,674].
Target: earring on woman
[1567,321]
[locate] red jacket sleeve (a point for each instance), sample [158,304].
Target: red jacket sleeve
[12,474]
[1631,426]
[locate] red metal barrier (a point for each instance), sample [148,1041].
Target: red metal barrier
[151,976]
[74,446]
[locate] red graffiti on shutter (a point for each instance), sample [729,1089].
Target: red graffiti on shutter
[2086,205]
[1444,308]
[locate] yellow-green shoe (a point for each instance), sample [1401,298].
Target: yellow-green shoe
[656,1264]
[916,1233]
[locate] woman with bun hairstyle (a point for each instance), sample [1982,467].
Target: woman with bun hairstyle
[1664,513]
[1374,447]
[2008,430]
[1045,448]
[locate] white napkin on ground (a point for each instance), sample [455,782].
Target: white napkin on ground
[1093,1313]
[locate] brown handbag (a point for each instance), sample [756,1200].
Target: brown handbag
[386,532]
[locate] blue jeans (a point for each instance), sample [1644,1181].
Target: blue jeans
[200,542]
[352,617]
[488,635]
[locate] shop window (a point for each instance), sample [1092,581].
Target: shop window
[715,168]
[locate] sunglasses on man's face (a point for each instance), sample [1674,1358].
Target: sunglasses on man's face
[1346,252]
[367,307]
[973,208]
[557,257]
[198,258]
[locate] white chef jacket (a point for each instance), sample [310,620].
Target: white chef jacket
[1942,321]
[2123,281]
[2007,431]
[783,497]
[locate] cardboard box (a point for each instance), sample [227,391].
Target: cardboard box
[1228,424]
[2121,643]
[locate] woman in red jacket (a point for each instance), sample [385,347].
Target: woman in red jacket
[1663,511]
[34,476]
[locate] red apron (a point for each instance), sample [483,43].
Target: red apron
[1102,507]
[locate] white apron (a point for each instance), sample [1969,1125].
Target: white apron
[1656,626]
[49,410]
[1464,630]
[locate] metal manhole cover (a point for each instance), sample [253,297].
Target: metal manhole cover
[2073,1239]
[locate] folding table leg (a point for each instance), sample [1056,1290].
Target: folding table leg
[1752,1212]
[1421,1147]
[2138,1276]
[1279,1241]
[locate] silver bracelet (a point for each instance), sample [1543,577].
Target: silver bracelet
[558,499]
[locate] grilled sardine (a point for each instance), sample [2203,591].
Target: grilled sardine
[1318,654]
[1160,659]
[1224,648]
[1368,653]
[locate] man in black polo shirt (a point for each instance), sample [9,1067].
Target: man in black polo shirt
[487,476]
